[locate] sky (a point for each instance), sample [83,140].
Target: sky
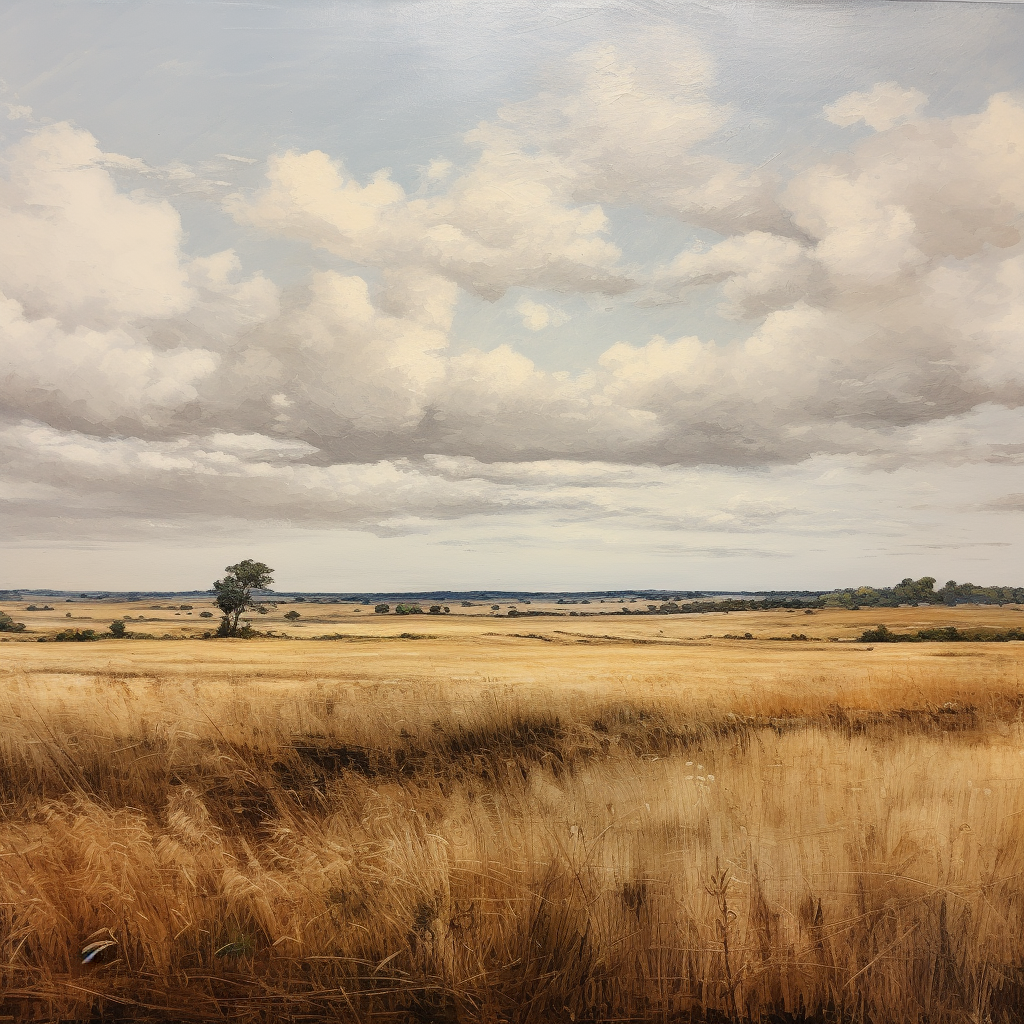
[514,295]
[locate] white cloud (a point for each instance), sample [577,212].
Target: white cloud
[502,223]
[757,272]
[536,316]
[631,126]
[77,249]
[883,286]
[881,108]
[438,169]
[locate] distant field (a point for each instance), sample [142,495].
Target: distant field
[163,618]
[601,818]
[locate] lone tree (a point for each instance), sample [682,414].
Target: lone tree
[234,592]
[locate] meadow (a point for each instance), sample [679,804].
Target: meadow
[616,818]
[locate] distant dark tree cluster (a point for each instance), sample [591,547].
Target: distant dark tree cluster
[8,625]
[71,636]
[922,591]
[941,634]
[729,604]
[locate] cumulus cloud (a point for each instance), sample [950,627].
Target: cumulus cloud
[76,248]
[536,316]
[881,288]
[632,126]
[881,108]
[758,272]
[502,223]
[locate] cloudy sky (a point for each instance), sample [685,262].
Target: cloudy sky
[521,295]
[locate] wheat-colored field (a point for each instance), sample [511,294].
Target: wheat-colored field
[601,818]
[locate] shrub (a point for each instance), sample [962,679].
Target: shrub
[941,634]
[206,615]
[292,615]
[408,609]
[8,625]
[185,607]
[435,609]
[382,609]
[495,607]
[72,636]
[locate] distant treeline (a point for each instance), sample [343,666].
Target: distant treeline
[921,591]
[730,604]
[944,634]
[908,591]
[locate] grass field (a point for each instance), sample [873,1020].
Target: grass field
[526,820]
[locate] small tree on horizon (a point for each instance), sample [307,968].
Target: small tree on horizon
[234,592]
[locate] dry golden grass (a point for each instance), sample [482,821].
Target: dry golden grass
[166,617]
[484,827]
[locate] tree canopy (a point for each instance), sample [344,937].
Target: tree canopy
[234,592]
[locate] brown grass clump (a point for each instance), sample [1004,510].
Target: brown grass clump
[304,832]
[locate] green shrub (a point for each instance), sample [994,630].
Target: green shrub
[940,634]
[72,636]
